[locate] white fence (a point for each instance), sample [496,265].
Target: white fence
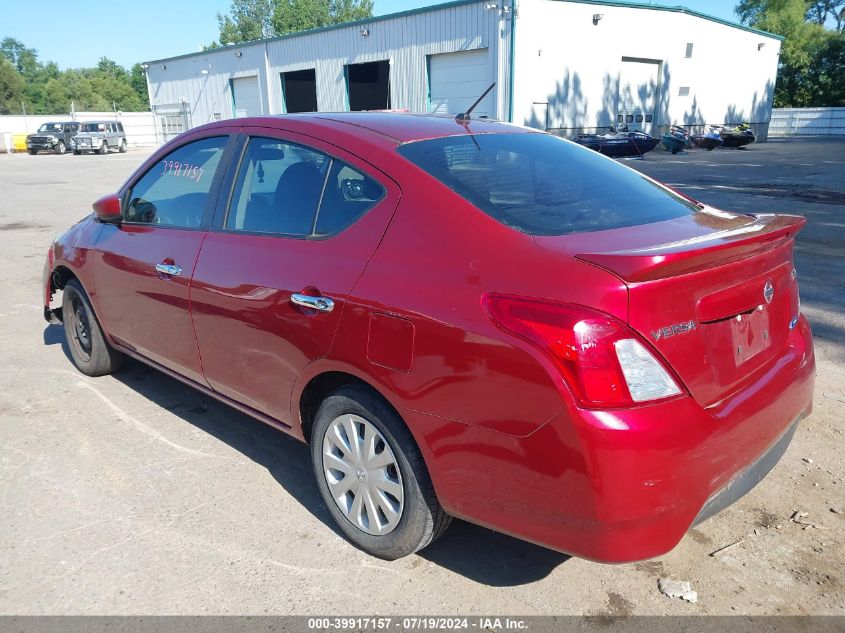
[807,122]
[140,127]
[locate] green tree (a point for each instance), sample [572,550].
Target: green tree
[24,59]
[11,88]
[138,80]
[807,50]
[247,20]
[250,20]
[821,11]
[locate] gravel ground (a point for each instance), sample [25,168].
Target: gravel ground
[134,494]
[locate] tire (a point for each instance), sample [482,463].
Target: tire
[104,148]
[33,151]
[122,149]
[420,518]
[60,148]
[76,152]
[90,351]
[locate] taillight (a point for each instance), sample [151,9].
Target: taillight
[602,360]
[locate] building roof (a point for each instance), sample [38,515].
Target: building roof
[456,3]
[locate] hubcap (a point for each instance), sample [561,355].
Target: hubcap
[363,475]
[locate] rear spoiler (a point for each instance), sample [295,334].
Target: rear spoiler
[698,253]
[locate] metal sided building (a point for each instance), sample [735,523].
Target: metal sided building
[561,65]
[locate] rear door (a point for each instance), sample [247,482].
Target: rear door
[143,277]
[304,219]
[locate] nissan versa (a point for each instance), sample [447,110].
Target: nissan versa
[463,319]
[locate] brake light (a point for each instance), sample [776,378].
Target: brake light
[602,360]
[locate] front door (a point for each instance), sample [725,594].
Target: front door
[144,279]
[273,276]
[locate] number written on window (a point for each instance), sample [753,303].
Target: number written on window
[181,170]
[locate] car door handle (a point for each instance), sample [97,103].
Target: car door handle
[323,304]
[169,269]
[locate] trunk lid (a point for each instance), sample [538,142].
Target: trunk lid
[714,293]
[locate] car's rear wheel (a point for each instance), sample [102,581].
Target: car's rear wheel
[104,148]
[89,349]
[76,152]
[123,146]
[372,476]
[33,151]
[60,148]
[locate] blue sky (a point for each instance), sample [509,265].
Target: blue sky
[154,29]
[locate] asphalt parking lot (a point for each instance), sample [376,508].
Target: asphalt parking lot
[133,494]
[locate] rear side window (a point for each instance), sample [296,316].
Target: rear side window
[349,194]
[174,192]
[292,190]
[542,185]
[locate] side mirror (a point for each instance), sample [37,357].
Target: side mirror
[108,209]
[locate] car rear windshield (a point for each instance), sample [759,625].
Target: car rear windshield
[542,185]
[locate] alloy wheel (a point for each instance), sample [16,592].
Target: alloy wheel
[363,475]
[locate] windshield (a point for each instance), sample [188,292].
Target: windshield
[50,127]
[542,185]
[92,127]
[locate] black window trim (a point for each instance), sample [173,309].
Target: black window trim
[213,192]
[224,205]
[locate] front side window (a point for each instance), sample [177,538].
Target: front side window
[542,185]
[174,192]
[288,189]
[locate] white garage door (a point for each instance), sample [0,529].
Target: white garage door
[638,94]
[247,97]
[456,80]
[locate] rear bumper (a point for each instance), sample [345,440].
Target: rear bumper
[619,486]
[745,481]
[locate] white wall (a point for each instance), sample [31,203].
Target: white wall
[565,60]
[405,40]
[139,126]
[807,122]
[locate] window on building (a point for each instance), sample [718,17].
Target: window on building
[299,88]
[689,50]
[174,192]
[683,91]
[368,86]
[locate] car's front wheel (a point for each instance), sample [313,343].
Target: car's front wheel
[372,476]
[104,148]
[89,349]
[60,147]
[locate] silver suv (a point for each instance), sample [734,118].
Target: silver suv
[100,137]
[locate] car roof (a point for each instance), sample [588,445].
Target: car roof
[399,127]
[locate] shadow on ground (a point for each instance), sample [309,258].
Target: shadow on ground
[477,553]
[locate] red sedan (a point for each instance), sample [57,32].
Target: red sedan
[468,320]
